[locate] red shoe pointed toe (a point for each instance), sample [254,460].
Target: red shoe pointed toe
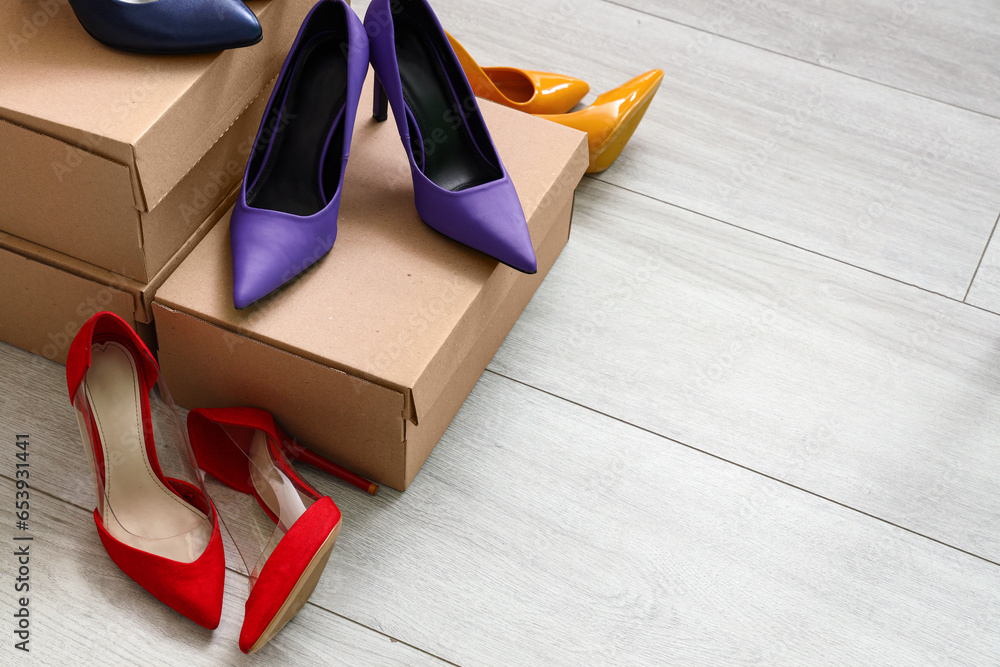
[290,574]
[193,589]
[153,515]
[289,538]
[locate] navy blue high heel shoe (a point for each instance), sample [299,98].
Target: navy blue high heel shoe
[169,26]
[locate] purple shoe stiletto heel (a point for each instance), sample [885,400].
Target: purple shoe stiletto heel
[380,103]
[460,186]
[285,218]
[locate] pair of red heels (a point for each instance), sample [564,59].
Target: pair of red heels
[154,515]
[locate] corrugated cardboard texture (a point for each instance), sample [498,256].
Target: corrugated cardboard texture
[104,151]
[395,302]
[352,422]
[395,307]
[87,209]
[42,307]
[156,115]
[102,227]
[47,296]
[421,439]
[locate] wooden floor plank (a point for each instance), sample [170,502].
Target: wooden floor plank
[543,533]
[84,611]
[849,385]
[985,289]
[874,177]
[937,48]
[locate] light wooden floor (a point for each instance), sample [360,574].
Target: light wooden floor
[751,417]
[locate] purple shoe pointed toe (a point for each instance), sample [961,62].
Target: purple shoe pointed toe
[460,186]
[273,247]
[285,218]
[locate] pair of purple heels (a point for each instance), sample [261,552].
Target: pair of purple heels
[286,215]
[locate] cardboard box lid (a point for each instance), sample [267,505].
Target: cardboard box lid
[42,308]
[96,226]
[394,302]
[141,293]
[155,115]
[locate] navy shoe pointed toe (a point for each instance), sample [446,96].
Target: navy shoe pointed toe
[169,26]
[285,218]
[460,186]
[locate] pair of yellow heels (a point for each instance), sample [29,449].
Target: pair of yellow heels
[609,122]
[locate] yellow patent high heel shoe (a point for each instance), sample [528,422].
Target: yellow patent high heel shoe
[526,90]
[610,121]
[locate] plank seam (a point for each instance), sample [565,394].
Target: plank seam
[801,60]
[792,245]
[747,468]
[87,512]
[980,262]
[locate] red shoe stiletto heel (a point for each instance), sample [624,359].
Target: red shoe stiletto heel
[243,448]
[297,452]
[153,515]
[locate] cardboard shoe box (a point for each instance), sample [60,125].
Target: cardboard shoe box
[109,156]
[367,356]
[46,296]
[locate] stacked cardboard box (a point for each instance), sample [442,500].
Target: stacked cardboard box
[367,356]
[113,165]
[115,169]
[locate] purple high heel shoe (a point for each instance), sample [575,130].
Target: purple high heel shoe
[460,186]
[286,216]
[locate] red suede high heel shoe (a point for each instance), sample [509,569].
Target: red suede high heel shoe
[153,514]
[285,554]
[297,452]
